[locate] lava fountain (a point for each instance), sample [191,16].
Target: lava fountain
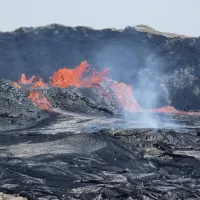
[83,76]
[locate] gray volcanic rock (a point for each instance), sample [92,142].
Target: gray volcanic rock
[83,100]
[184,88]
[16,109]
[164,59]
[117,164]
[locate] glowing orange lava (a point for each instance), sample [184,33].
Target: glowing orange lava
[78,77]
[39,99]
[124,93]
[167,109]
[95,79]
[172,110]
[16,85]
[65,77]
[39,83]
[24,80]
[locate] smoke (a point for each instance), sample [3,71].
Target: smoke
[141,68]
[150,89]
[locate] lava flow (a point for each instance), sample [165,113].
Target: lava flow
[78,77]
[38,98]
[39,83]
[24,80]
[124,93]
[63,78]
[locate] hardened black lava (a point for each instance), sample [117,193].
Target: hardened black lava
[94,153]
[108,164]
[16,110]
[84,100]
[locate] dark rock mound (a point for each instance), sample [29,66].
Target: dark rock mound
[16,110]
[83,100]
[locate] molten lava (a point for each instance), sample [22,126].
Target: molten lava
[65,77]
[95,79]
[167,109]
[39,83]
[16,85]
[39,99]
[24,80]
[124,93]
[172,110]
[77,77]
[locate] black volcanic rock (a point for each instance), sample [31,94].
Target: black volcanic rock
[131,163]
[83,100]
[16,109]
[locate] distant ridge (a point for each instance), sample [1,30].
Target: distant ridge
[148,29]
[139,28]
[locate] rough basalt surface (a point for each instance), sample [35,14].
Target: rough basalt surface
[83,100]
[124,163]
[16,109]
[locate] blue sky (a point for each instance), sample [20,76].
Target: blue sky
[178,16]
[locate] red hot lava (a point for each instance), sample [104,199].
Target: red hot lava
[124,93]
[24,80]
[65,77]
[39,99]
[39,83]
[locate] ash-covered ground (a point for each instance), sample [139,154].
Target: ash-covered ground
[90,150]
